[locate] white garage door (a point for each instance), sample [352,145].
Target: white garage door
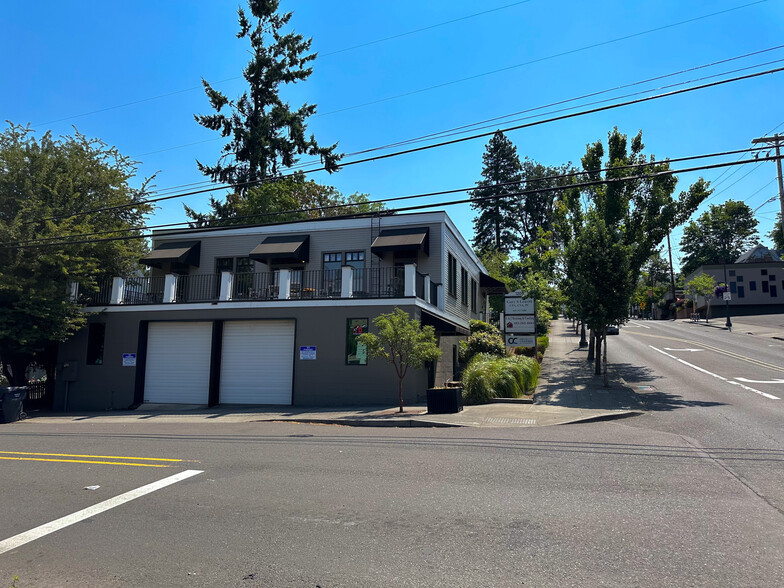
[178,363]
[257,362]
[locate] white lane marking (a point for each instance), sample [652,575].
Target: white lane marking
[722,378]
[671,349]
[760,381]
[636,324]
[91,511]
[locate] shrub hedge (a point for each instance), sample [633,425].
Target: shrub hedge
[487,377]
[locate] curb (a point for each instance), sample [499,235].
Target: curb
[399,423]
[604,417]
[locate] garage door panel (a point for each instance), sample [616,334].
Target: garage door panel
[257,362]
[178,363]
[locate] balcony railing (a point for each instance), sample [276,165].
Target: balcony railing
[347,282]
[197,288]
[100,296]
[145,290]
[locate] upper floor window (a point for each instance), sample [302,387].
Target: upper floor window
[240,265]
[333,261]
[473,295]
[355,259]
[451,275]
[464,286]
[764,272]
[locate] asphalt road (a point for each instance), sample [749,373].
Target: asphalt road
[689,494]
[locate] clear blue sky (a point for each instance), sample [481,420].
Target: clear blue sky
[66,59]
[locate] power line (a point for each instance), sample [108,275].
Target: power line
[650,176]
[538,60]
[444,84]
[335,52]
[473,126]
[430,194]
[454,141]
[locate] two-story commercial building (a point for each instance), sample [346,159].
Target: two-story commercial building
[271,314]
[755,281]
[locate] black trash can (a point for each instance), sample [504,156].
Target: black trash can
[444,400]
[11,398]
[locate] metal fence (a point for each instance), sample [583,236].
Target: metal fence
[254,286]
[97,297]
[378,282]
[197,288]
[144,290]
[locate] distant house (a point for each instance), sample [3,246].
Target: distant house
[755,281]
[269,315]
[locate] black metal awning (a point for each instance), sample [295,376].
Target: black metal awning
[283,249]
[441,325]
[492,286]
[187,252]
[410,239]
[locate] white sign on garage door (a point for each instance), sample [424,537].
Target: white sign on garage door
[257,362]
[178,363]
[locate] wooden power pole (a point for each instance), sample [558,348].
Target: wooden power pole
[776,141]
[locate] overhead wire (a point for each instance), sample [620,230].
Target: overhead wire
[457,140]
[444,84]
[579,185]
[320,54]
[574,174]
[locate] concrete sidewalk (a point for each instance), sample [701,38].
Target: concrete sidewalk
[567,393]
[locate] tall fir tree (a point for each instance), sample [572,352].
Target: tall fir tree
[265,135]
[496,224]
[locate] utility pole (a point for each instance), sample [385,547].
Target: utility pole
[672,281]
[776,141]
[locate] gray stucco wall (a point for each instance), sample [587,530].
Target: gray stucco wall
[327,381]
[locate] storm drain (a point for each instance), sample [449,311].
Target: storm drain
[509,421]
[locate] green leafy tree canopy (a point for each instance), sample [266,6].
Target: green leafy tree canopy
[722,233]
[43,178]
[403,342]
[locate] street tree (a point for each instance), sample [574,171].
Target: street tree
[701,285]
[43,178]
[720,234]
[403,342]
[600,279]
[629,211]
[496,224]
[265,136]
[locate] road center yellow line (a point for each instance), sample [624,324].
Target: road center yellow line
[138,465]
[93,456]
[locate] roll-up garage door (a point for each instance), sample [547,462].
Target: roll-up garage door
[257,362]
[178,363]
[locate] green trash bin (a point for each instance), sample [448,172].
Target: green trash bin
[11,398]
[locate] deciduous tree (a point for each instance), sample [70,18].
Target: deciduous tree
[722,233]
[44,178]
[403,342]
